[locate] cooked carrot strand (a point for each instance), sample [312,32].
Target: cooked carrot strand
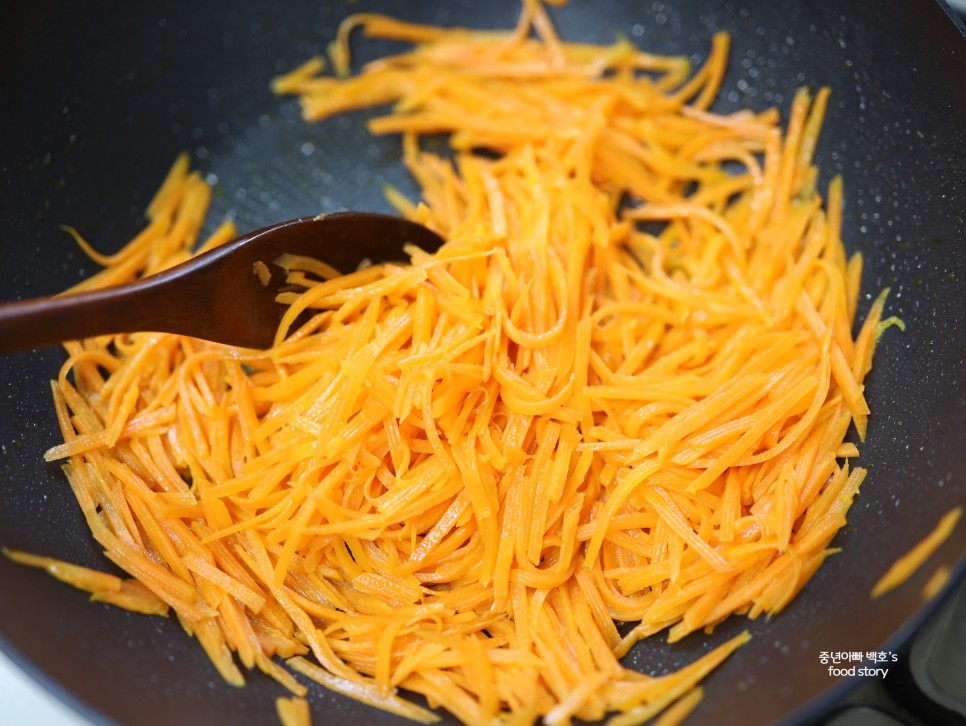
[903,568]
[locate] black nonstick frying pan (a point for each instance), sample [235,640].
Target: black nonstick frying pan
[98,98]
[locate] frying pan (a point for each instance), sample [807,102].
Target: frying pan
[98,98]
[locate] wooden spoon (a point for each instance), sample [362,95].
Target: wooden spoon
[219,295]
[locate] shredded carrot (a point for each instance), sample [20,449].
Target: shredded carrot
[936,582]
[129,594]
[677,713]
[620,392]
[293,711]
[903,568]
[261,271]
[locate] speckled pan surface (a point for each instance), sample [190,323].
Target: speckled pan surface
[98,98]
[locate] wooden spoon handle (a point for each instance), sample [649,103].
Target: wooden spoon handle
[45,321]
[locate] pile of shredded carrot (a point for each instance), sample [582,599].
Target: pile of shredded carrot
[620,393]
